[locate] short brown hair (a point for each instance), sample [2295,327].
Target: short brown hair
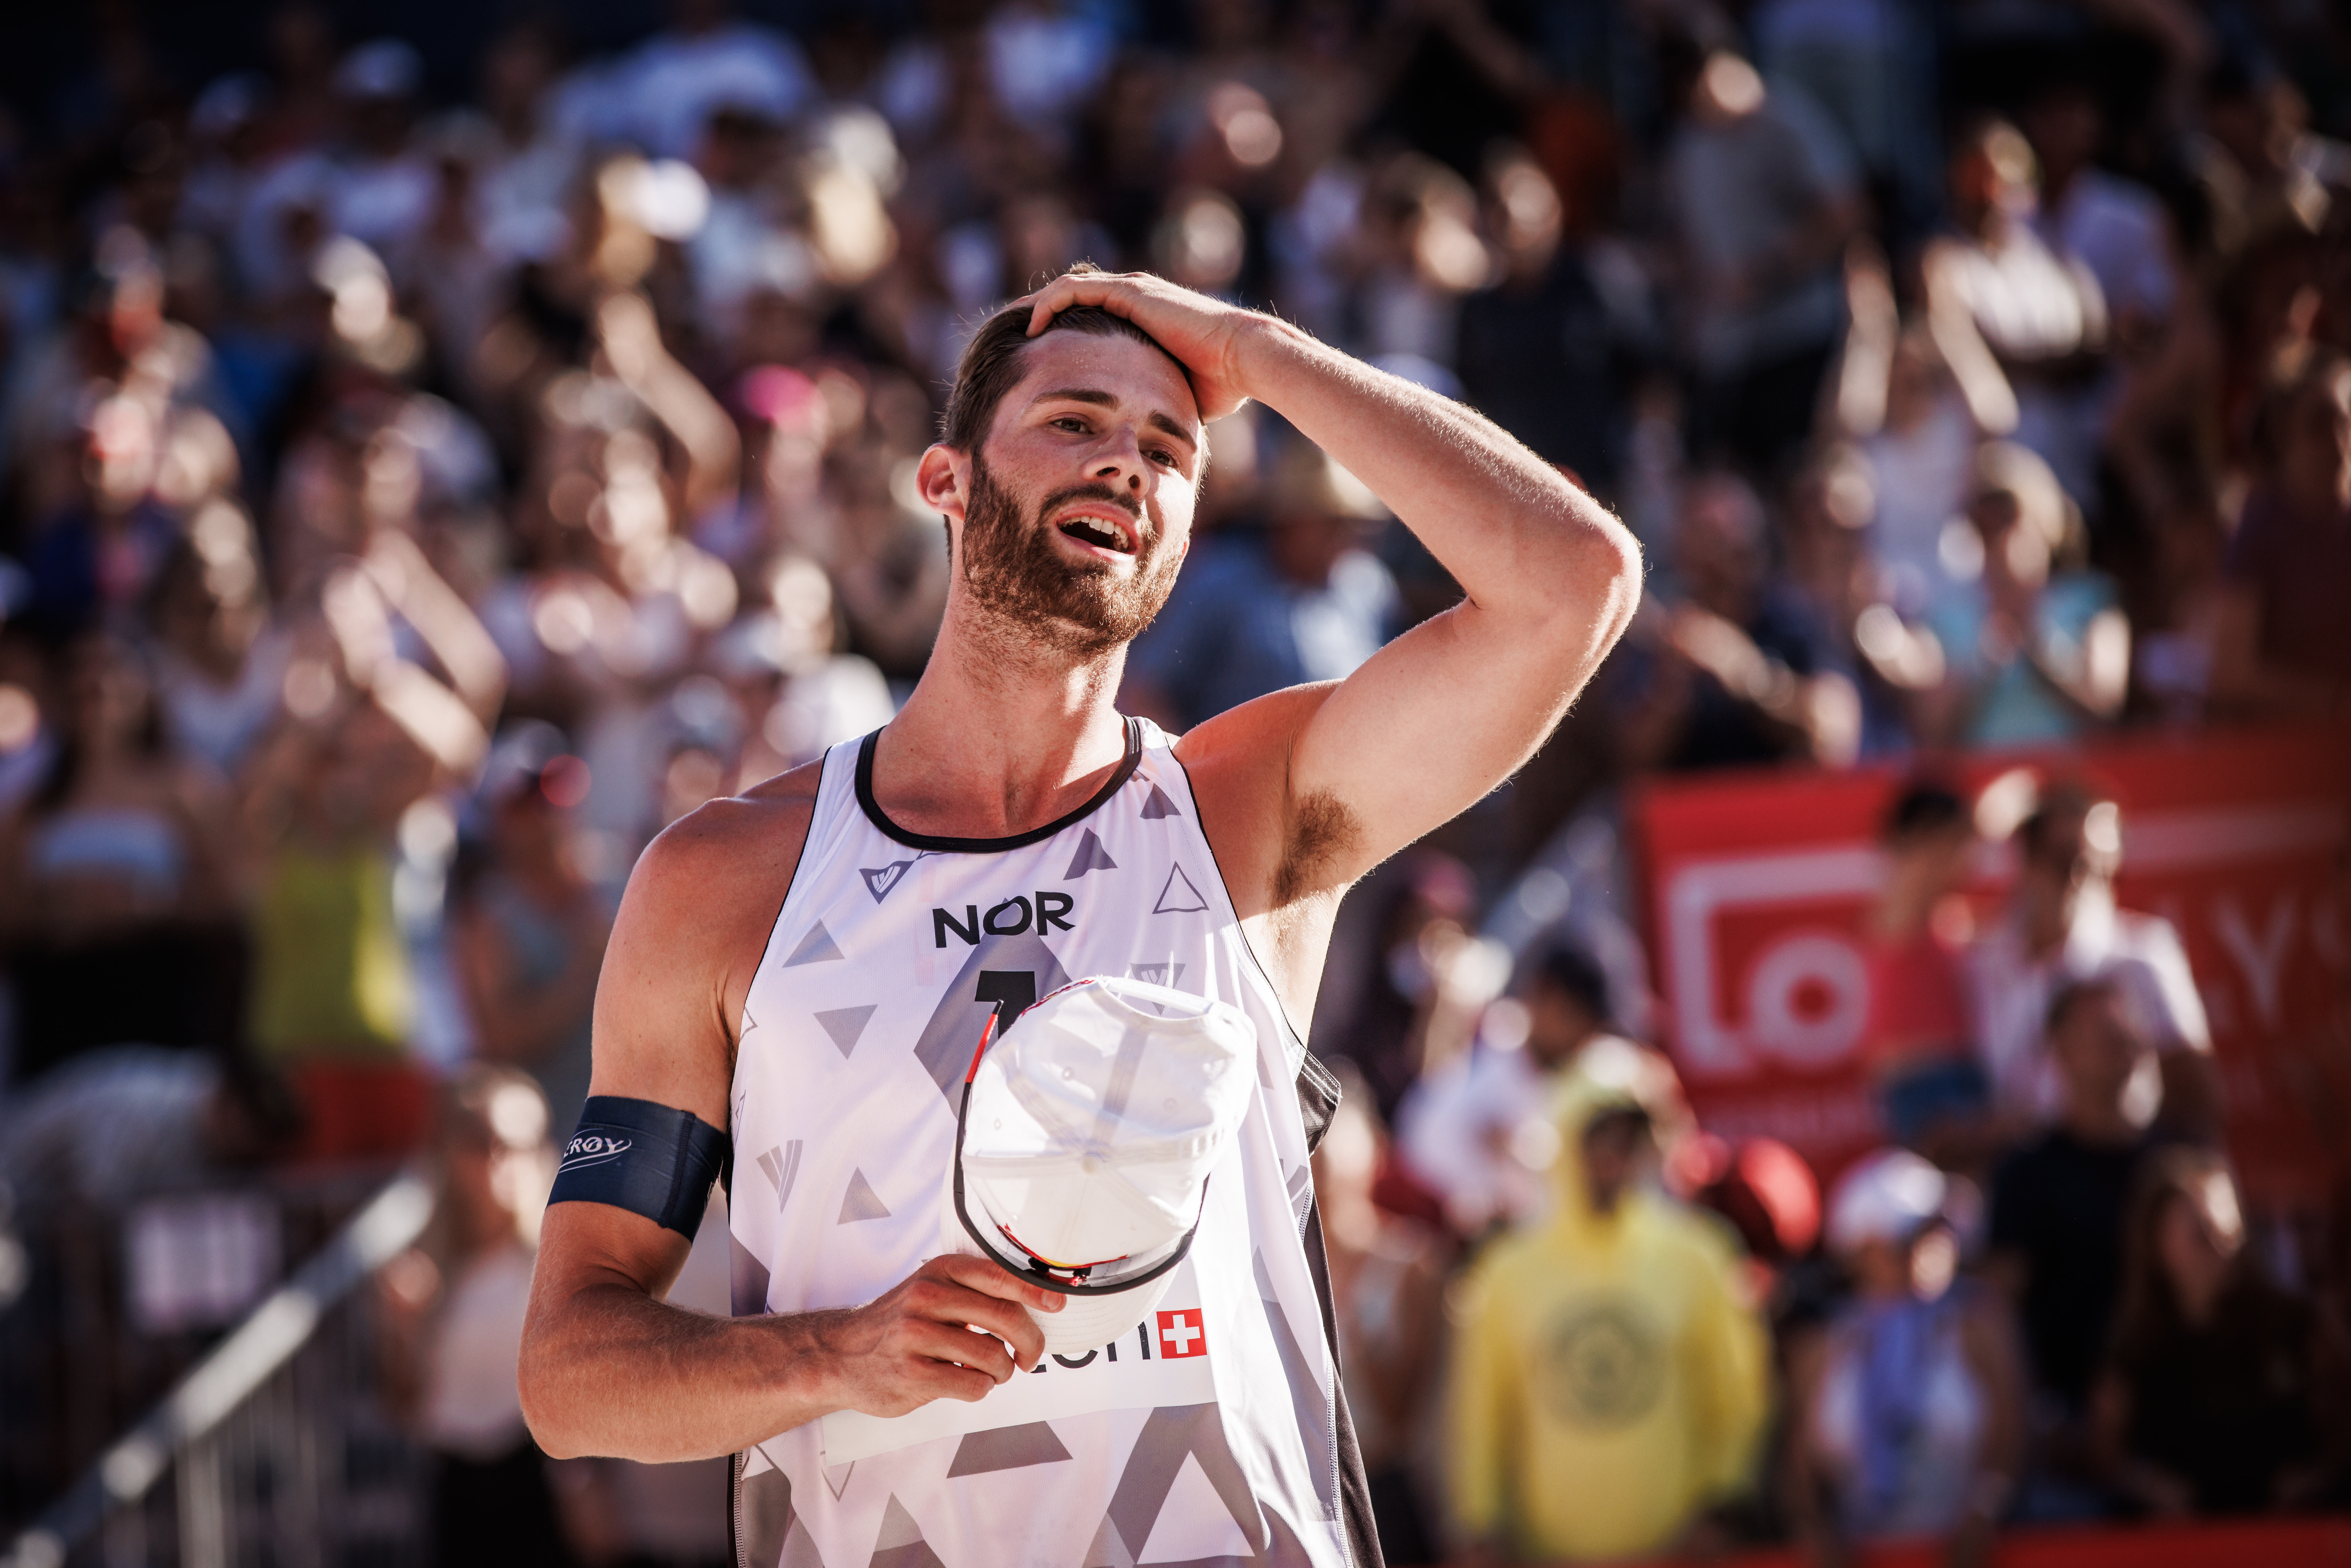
[990,365]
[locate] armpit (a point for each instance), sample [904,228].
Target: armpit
[1321,834]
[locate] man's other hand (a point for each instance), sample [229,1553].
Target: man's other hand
[915,1343]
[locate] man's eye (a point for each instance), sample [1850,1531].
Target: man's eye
[1070,423]
[1163,455]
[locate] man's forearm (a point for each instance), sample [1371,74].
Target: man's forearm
[618,1375]
[1510,528]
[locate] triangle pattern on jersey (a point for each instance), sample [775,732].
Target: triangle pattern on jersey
[815,947]
[845,1472]
[1090,856]
[900,1543]
[861,1201]
[1007,1448]
[844,1025]
[1178,897]
[1193,1522]
[1108,1550]
[1158,805]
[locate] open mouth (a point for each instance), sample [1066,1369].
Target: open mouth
[1100,532]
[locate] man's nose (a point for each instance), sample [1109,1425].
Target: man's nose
[1121,458]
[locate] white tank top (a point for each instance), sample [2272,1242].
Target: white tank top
[890,953]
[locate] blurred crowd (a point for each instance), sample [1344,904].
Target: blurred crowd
[412,502]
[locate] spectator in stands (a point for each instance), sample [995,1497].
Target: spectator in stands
[335,992]
[1610,1378]
[1550,351]
[1766,196]
[1419,924]
[2033,654]
[1258,610]
[528,928]
[2061,925]
[2057,1211]
[113,874]
[1476,1129]
[453,1316]
[2022,326]
[1735,670]
[1907,1408]
[1387,1282]
[2225,1393]
[2284,643]
[1918,1041]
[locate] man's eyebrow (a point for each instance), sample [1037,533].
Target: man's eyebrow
[1100,399]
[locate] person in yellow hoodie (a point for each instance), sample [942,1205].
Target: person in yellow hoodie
[1610,1379]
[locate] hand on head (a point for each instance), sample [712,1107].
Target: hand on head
[1203,333]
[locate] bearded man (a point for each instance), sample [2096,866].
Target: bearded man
[800,979]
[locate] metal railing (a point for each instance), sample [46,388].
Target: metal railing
[278,1450]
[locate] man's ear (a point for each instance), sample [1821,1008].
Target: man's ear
[944,478]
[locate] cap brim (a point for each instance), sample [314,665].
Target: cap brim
[1102,1316]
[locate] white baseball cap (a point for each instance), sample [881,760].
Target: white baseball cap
[1888,1196]
[1085,1144]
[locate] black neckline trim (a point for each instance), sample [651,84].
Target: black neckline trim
[913,841]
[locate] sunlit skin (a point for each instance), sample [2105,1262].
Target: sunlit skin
[1093,458]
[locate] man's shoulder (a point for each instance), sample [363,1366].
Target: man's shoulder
[735,844]
[1254,738]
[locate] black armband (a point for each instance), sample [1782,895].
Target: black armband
[649,1159]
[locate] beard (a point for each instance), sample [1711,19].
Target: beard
[1078,610]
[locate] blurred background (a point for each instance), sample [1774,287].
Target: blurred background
[1881,1075]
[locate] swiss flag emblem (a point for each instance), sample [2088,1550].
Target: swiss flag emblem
[1181,1334]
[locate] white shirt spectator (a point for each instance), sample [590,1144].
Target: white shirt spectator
[2141,953]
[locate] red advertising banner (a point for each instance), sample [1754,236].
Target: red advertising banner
[1755,884]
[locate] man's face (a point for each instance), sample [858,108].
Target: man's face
[1614,1147]
[1557,1023]
[1078,508]
[2097,1048]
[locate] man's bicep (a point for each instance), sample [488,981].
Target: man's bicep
[1432,723]
[659,1031]
[586,1245]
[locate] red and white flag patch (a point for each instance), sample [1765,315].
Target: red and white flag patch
[1181,1334]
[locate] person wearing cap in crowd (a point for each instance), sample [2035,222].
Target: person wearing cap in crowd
[1261,609]
[2063,923]
[1908,1407]
[1006,834]
[1610,1377]
[2057,1211]
[1475,1129]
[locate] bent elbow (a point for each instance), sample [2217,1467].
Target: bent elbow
[542,1407]
[1613,568]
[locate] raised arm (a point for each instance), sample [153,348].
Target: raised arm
[608,1367]
[1447,711]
